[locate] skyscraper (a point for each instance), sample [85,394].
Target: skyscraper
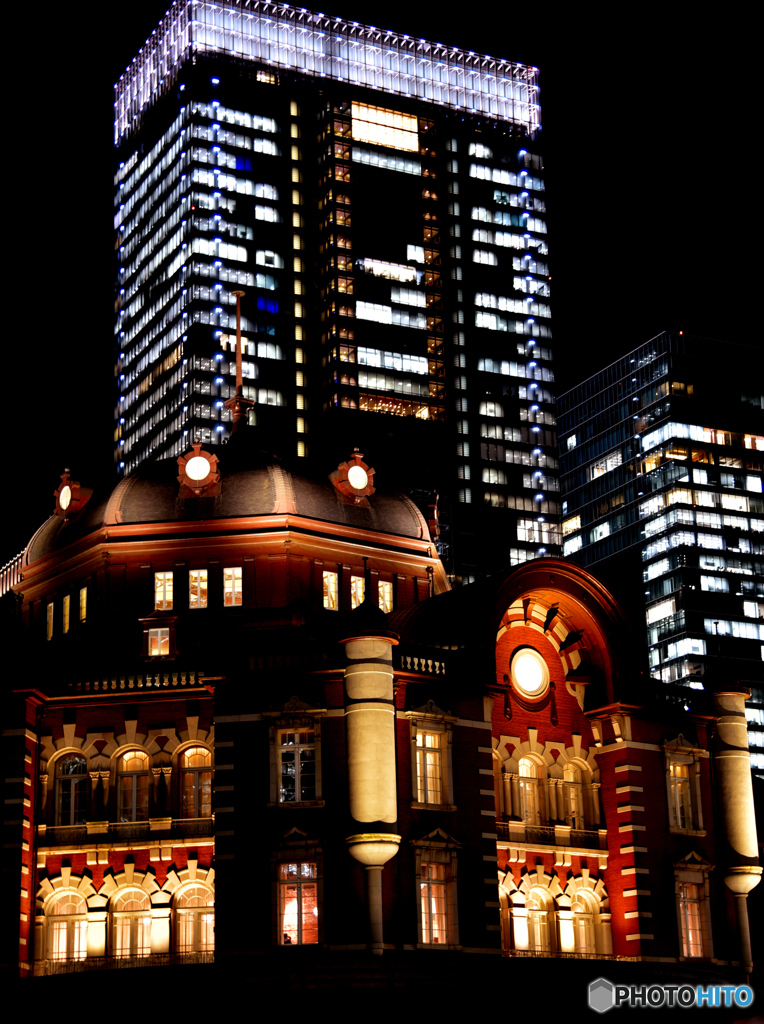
[380,202]
[661,466]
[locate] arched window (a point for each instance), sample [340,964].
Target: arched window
[196,783]
[133,786]
[195,920]
[71,790]
[583,925]
[67,927]
[131,924]
[539,922]
[529,791]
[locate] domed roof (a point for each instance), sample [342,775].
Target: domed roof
[253,483]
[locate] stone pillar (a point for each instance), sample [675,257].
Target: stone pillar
[733,781]
[370,731]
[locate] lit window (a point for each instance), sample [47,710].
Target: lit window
[133,786]
[231,587]
[661,611]
[690,920]
[195,920]
[571,525]
[49,622]
[163,590]
[432,896]
[67,603]
[529,788]
[298,904]
[83,603]
[680,796]
[429,768]
[297,765]
[571,441]
[131,924]
[197,588]
[71,790]
[715,584]
[386,597]
[159,643]
[572,545]
[196,783]
[605,465]
[330,580]
[67,927]
[385,127]
[357,590]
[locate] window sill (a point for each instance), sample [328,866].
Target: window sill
[299,804]
[416,806]
[438,945]
[687,832]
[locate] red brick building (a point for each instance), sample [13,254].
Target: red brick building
[255,717]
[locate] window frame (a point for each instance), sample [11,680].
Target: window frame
[83,778]
[295,717]
[133,917]
[74,925]
[299,883]
[135,776]
[357,591]
[196,915]
[432,721]
[195,588]
[164,596]
[439,849]
[197,788]
[693,871]
[329,577]
[236,586]
[681,753]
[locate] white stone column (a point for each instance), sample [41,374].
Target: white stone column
[733,780]
[370,731]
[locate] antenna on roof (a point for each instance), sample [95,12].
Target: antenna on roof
[239,405]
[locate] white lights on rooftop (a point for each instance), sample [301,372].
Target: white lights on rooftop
[357,478]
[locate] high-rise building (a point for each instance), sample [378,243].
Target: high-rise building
[661,457]
[379,200]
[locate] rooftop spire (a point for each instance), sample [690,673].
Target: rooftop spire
[239,405]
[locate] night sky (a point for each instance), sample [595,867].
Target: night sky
[647,192]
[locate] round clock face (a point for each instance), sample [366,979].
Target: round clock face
[530,674]
[197,468]
[357,478]
[65,497]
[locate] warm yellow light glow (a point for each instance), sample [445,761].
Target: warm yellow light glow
[385,127]
[197,468]
[529,672]
[65,497]
[357,478]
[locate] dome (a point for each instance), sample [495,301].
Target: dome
[252,484]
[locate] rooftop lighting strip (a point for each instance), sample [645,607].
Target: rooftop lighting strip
[289,37]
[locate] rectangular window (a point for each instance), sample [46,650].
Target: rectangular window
[432,895]
[159,642]
[83,603]
[197,588]
[689,919]
[163,590]
[386,597]
[429,769]
[680,809]
[385,127]
[231,587]
[49,622]
[67,603]
[571,525]
[297,765]
[298,904]
[330,581]
[357,589]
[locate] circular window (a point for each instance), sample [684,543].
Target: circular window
[197,468]
[529,671]
[357,477]
[65,497]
